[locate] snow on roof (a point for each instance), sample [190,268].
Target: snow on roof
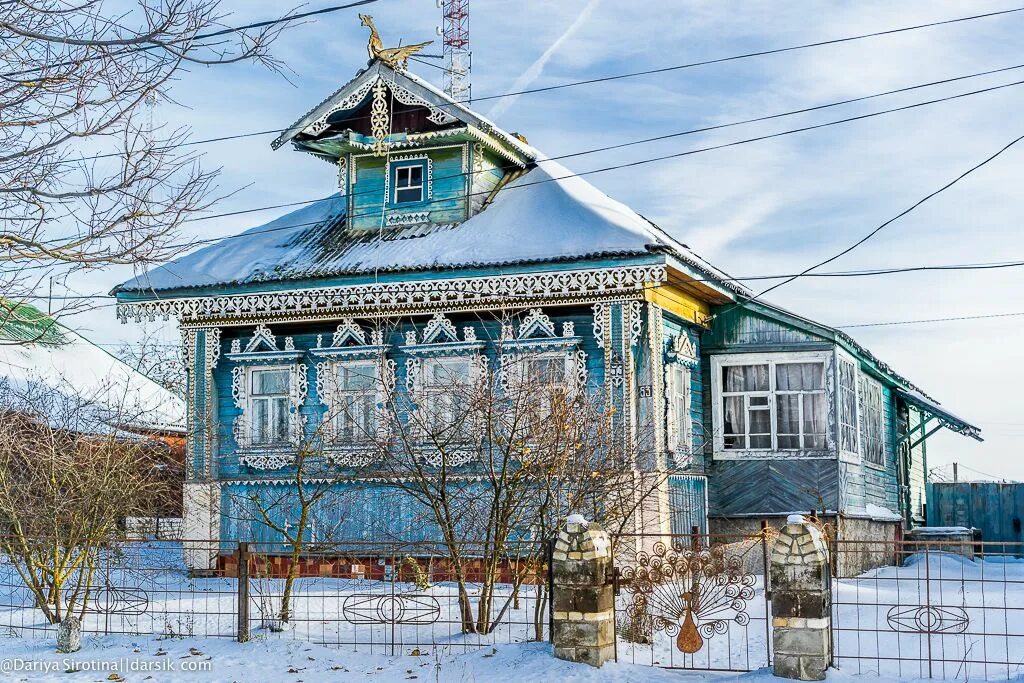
[79,367]
[548,214]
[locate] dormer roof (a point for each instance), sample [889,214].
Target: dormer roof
[313,131]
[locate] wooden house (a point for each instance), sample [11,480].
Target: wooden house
[441,218]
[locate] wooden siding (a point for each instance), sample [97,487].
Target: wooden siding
[772,487]
[997,509]
[447,205]
[486,174]
[305,336]
[738,328]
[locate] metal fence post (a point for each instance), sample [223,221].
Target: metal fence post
[243,592]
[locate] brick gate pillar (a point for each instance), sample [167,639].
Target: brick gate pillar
[801,602]
[583,608]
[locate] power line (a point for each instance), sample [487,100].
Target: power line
[199,36]
[658,138]
[747,55]
[892,220]
[631,164]
[932,320]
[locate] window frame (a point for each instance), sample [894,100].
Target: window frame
[676,389]
[404,163]
[427,393]
[721,361]
[847,454]
[250,411]
[867,384]
[376,390]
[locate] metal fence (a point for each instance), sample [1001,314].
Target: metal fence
[389,598]
[693,601]
[911,609]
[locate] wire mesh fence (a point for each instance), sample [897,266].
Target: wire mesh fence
[913,609]
[388,598]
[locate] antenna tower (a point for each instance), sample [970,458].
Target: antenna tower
[458,59]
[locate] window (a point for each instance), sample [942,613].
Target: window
[408,184]
[773,405]
[356,401]
[847,406]
[872,435]
[677,396]
[268,406]
[442,379]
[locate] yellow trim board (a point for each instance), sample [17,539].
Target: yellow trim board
[678,302]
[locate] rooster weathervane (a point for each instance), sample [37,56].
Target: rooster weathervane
[395,57]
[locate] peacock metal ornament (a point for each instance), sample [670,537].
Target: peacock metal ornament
[693,594]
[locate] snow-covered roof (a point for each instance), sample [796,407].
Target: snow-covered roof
[547,214]
[75,366]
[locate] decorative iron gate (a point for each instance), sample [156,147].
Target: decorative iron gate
[692,601]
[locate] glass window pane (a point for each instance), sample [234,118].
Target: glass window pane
[815,414]
[413,195]
[280,419]
[745,378]
[789,441]
[760,422]
[270,382]
[799,376]
[787,416]
[734,421]
[761,441]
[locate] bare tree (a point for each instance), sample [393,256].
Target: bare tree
[499,455]
[163,363]
[304,511]
[86,179]
[69,476]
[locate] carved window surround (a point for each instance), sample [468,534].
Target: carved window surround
[263,353]
[440,340]
[350,344]
[524,342]
[567,287]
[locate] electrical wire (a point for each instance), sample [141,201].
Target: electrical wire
[747,55]
[198,36]
[657,138]
[887,223]
[631,164]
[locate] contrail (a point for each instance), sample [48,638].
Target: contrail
[537,68]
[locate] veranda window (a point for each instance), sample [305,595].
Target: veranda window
[872,436]
[774,405]
[268,406]
[357,384]
[847,406]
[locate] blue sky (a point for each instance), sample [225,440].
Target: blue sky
[760,208]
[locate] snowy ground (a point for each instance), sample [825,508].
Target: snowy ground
[283,661]
[190,624]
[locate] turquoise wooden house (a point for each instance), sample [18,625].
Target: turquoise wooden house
[441,218]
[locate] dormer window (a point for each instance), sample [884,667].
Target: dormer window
[408,184]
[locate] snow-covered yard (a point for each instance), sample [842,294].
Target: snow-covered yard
[161,623]
[290,661]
